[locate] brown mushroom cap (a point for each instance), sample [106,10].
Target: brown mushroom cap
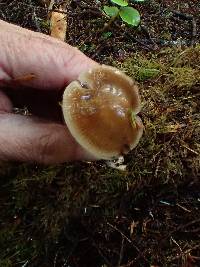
[98,109]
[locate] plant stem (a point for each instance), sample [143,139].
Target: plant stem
[112,19]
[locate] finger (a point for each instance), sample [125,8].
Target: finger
[5,103]
[25,138]
[52,63]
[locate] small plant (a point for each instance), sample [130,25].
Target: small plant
[128,14]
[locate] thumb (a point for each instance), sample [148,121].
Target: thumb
[53,63]
[26,138]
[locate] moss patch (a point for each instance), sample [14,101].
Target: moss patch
[86,214]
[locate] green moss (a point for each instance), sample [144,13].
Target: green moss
[6,263]
[184,77]
[45,25]
[170,109]
[54,210]
[141,68]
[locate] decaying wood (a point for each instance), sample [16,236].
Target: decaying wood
[58,21]
[58,24]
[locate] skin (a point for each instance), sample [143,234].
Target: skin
[34,69]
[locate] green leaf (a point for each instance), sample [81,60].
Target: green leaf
[111,11]
[147,73]
[130,15]
[120,2]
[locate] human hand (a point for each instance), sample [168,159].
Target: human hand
[46,66]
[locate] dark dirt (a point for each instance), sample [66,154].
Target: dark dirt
[86,214]
[164,23]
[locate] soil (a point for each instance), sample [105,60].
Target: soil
[86,214]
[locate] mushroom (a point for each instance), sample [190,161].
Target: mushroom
[100,111]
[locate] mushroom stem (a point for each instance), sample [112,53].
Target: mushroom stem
[108,24]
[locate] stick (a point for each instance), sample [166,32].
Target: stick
[58,21]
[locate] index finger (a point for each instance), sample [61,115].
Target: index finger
[52,63]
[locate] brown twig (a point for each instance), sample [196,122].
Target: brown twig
[121,252]
[191,19]
[102,255]
[123,235]
[184,253]
[129,241]
[152,40]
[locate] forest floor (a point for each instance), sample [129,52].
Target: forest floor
[85,214]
